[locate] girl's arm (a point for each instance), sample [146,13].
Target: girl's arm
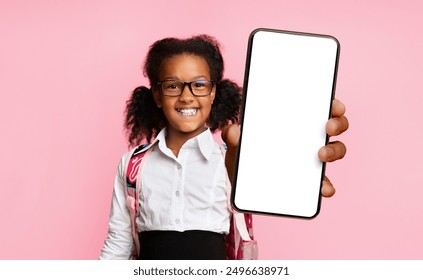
[230,135]
[119,243]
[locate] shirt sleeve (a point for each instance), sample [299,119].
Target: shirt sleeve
[119,242]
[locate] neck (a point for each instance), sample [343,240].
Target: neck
[176,139]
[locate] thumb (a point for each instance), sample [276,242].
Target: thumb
[230,135]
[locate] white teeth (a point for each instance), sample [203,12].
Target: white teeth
[187,112]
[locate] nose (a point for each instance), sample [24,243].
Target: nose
[186,95]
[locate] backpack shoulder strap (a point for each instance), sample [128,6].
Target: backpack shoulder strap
[133,187]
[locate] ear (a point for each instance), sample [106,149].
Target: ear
[157,96]
[213,93]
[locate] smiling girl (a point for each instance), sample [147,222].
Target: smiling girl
[184,212]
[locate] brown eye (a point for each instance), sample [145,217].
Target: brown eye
[200,84]
[171,85]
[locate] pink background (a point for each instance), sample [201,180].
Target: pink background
[67,68]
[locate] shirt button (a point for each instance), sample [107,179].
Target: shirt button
[177,221]
[177,193]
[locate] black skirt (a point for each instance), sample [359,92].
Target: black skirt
[187,245]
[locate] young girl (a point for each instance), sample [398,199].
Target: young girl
[184,212]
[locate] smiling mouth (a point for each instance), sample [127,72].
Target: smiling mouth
[187,112]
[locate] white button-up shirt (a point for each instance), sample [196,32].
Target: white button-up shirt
[181,193]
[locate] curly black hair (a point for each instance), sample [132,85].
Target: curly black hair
[144,119]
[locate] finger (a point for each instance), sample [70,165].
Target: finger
[327,188]
[332,151]
[230,135]
[338,108]
[337,125]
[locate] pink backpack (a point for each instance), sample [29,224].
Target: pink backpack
[240,243]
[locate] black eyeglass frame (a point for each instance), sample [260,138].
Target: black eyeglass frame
[159,84]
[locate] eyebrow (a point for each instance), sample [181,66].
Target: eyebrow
[201,77]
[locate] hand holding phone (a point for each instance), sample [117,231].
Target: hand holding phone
[288,90]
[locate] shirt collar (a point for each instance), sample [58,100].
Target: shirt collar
[204,141]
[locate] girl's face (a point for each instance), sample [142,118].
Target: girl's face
[186,114]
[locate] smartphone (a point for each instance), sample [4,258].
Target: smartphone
[288,90]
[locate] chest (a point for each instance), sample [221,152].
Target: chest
[190,176]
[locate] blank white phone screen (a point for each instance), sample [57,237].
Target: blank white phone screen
[288,89]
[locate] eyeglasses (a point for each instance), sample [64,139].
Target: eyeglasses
[176,87]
